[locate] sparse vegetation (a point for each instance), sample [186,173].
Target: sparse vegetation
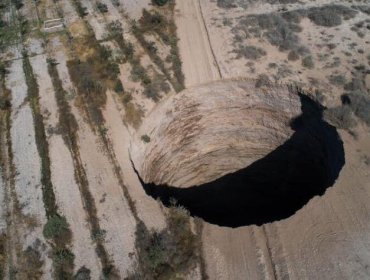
[31,263]
[262,80]
[92,75]
[354,103]
[145,138]
[18,4]
[226,4]
[307,62]
[250,52]
[102,7]
[133,113]
[162,23]
[293,56]
[359,102]
[5,113]
[69,128]
[3,241]
[275,28]
[167,254]
[81,10]
[118,87]
[330,15]
[116,33]
[338,80]
[57,227]
[159,2]
[82,274]
[55,220]
[41,142]
[340,117]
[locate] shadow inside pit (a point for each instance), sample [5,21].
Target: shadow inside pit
[274,187]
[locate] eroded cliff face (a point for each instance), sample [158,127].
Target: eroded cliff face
[211,130]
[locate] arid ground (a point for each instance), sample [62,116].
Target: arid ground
[79,77]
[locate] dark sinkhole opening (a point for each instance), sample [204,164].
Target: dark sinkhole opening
[272,188]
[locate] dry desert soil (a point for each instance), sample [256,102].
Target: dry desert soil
[89,89]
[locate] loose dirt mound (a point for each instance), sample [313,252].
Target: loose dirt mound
[208,131]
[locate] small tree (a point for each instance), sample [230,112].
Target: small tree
[56,226]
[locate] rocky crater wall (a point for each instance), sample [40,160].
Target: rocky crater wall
[235,155]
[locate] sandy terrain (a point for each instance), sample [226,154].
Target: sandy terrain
[194,44]
[114,213]
[148,210]
[134,7]
[330,230]
[27,181]
[66,188]
[328,238]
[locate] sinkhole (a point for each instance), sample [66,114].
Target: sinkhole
[271,188]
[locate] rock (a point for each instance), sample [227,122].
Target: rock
[207,131]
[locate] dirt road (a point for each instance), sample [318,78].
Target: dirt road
[199,64]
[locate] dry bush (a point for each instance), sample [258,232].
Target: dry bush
[226,4]
[330,15]
[293,56]
[278,30]
[163,24]
[159,2]
[82,274]
[359,102]
[169,253]
[338,80]
[307,62]
[250,52]
[340,117]
[262,80]
[102,7]
[133,114]
[92,74]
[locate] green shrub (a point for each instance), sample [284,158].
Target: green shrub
[63,257]
[168,253]
[81,10]
[152,21]
[307,62]
[56,227]
[138,73]
[145,138]
[102,7]
[159,2]
[18,4]
[4,103]
[118,87]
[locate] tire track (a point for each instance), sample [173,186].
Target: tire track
[209,40]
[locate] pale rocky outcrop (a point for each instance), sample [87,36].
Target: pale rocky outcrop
[213,129]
